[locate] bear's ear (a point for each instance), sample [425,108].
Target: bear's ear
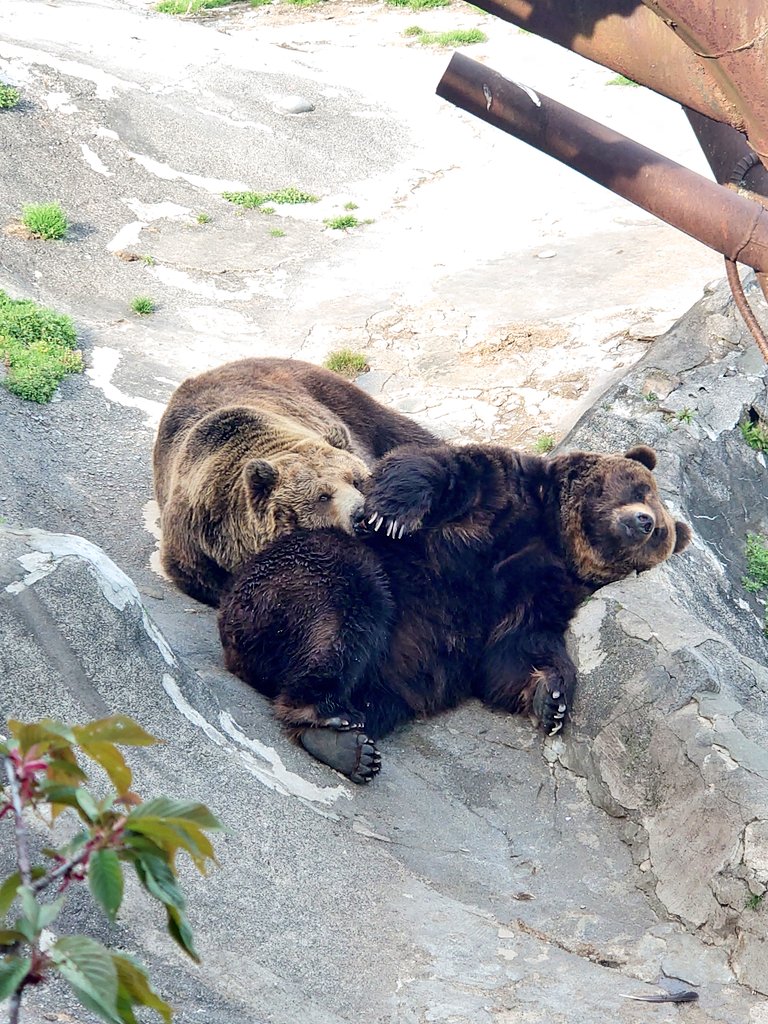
[260,478]
[643,454]
[338,437]
[682,537]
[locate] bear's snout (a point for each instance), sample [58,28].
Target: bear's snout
[637,524]
[359,524]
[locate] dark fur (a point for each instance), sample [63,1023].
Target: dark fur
[473,600]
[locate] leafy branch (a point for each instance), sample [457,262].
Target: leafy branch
[41,767]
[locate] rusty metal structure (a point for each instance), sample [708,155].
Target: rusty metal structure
[709,55]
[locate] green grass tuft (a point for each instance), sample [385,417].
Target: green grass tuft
[418,5]
[45,220]
[204,218]
[277,233]
[757,564]
[37,346]
[544,444]
[252,200]
[350,206]
[346,363]
[9,96]
[621,80]
[189,6]
[685,415]
[456,37]
[341,223]
[150,261]
[754,902]
[143,305]
[755,434]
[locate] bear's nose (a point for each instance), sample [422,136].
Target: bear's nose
[358,521]
[645,523]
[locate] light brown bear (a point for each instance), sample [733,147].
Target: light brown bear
[255,449]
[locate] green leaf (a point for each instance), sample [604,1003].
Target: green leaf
[46,732]
[13,970]
[91,973]
[176,810]
[30,908]
[105,878]
[115,729]
[181,933]
[8,891]
[48,912]
[134,989]
[88,804]
[157,877]
[171,837]
[9,937]
[63,768]
[113,763]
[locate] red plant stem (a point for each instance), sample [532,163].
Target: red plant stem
[22,852]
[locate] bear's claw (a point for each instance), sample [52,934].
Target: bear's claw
[349,751]
[550,707]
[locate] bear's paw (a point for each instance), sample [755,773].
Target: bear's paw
[349,751]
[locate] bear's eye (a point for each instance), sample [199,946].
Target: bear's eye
[324,497]
[357,483]
[640,494]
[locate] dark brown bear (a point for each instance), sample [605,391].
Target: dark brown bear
[478,560]
[255,449]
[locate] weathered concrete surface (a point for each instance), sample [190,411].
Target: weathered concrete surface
[474,881]
[670,729]
[406,901]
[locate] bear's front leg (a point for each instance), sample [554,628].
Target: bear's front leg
[530,675]
[405,488]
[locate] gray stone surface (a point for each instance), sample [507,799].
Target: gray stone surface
[488,876]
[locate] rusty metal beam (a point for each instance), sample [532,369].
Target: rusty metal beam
[627,37]
[732,40]
[729,223]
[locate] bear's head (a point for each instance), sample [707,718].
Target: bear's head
[613,521]
[311,486]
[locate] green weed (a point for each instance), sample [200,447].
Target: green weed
[757,564]
[342,223]
[456,37]
[544,444]
[189,6]
[9,96]
[45,220]
[755,434]
[350,206]
[685,415]
[651,397]
[346,363]
[37,346]
[277,233]
[204,218]
[143,305]
[418,5]
[754,902]
[252,200]
[621,80]
[150,261]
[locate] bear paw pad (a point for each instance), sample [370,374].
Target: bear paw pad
[349,751]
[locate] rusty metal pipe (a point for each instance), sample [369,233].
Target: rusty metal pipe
[729,223]
[627,37]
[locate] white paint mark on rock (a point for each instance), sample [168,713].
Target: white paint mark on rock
[126,236]
[105,83]
[93,160]
[205,289]
[106,133]
[756,848]
[149,212]
[38,565]
[167,173]
[266,765]
[59,101]
[104,363]
[532,96]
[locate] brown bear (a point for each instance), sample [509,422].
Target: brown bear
[258,448]
[477,561]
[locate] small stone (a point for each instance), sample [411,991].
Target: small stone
[546,254]
[295,105]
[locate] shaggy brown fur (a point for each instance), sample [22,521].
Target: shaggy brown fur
[255,449]
[479,558]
